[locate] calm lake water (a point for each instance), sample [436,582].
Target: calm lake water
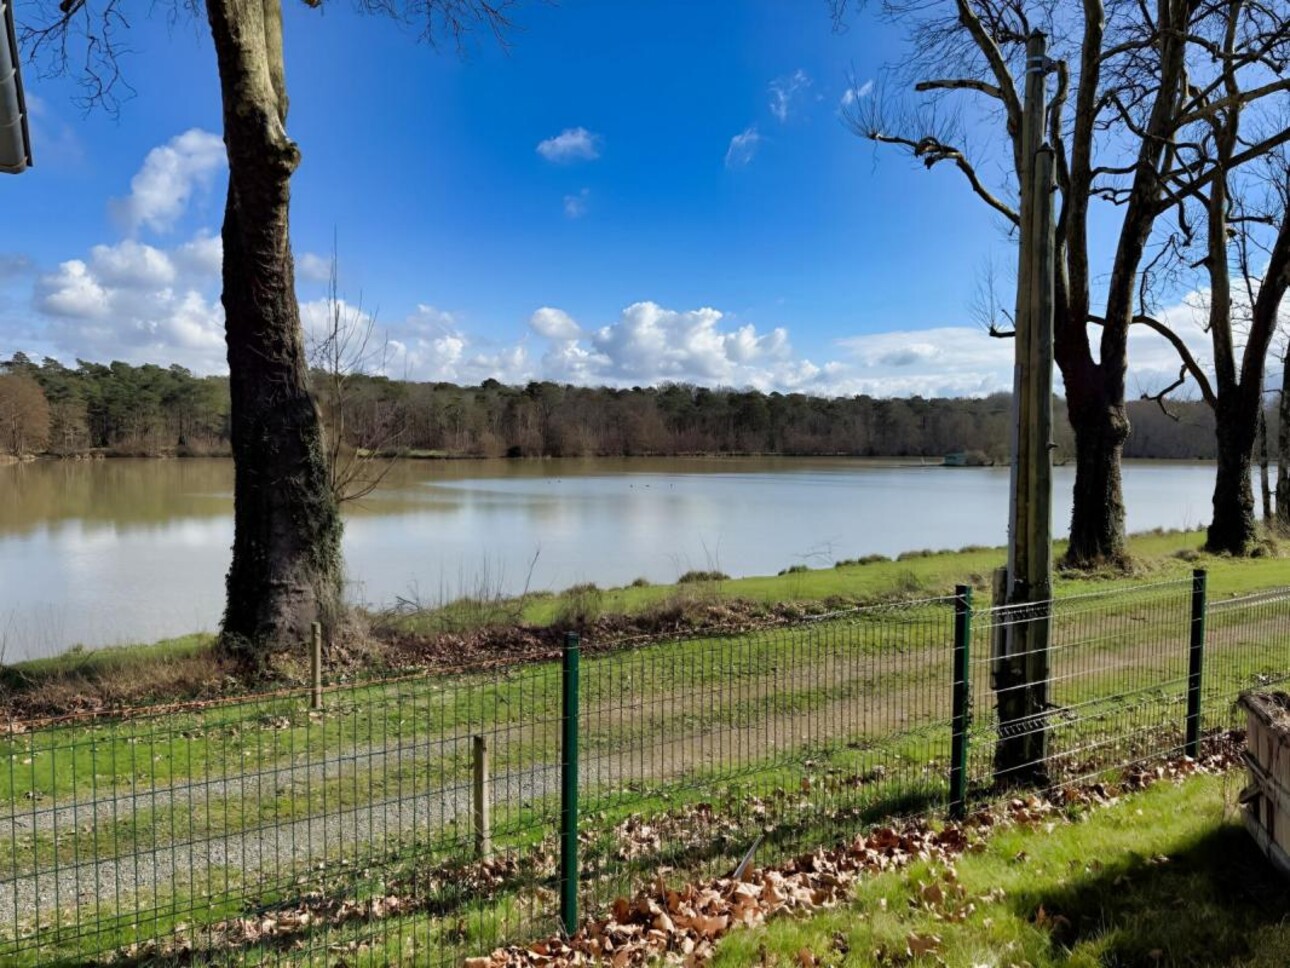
[104,552]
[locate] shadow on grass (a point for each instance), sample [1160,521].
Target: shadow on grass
[1215,900]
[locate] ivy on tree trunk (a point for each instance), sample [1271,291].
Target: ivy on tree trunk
[286,547]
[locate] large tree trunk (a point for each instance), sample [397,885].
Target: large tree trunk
[286,544]
[1234,527]
[1100,422]
[1097,518]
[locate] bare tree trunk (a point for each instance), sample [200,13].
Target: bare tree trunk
[1234,528]
[1265,484]
[1101,427]
[286,544]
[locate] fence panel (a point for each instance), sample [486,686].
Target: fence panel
[230,833]
[1247,646]
[417,821]
[1117,688]
[697,748]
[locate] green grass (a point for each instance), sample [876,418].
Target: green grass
[1167,877]
[94,664]
[927,573]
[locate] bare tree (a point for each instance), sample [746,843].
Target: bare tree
[359,453]
[988,307]
[286,547]
[1248,45]
[1124,92]
[1245,259]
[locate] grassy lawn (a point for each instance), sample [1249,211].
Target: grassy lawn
[1166,877]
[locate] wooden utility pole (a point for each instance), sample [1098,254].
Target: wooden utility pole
[1021,680]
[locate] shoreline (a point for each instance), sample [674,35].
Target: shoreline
[375,644]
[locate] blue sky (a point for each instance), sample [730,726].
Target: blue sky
[633,192]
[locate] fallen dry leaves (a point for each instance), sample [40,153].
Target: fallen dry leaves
[681,925]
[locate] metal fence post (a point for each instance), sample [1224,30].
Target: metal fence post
[1196,661]
[961,694]
[569,787]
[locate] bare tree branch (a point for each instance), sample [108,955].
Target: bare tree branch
[1189,361]
[1160,397]
[960,84]
[931,152]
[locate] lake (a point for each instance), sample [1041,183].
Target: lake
[112,551]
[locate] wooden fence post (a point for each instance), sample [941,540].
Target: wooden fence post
[315,666]
[483,812]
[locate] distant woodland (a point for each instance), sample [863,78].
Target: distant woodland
[117,409]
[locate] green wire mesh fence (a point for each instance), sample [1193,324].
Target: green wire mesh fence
[420,821]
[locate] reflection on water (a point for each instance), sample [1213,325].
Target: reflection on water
[100,552]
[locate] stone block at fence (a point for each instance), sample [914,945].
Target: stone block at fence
[1266,800]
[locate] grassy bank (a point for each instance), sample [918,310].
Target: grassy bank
[188,667]
[1167,877]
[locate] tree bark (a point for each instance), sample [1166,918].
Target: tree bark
[1234,528]
[1101,425]
[286,544]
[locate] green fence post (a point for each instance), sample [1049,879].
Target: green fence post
[569,787]
[1196,662]
[961,694]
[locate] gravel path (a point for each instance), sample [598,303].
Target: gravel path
[263,852]
[258,855]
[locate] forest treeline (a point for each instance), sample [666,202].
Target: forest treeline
[123,410]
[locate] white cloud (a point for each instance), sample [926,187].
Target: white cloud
[575,206]
[944,361]
[132,265]
[743,147]
[130,319]
[554,324]
[646,344]
[201,256]
[162,188]
[313,267]
[72,291]
[853,94]
[571,144]
[568,361]
[134,302]
[429,344]
[649,343]
[428,320]
[783,91]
